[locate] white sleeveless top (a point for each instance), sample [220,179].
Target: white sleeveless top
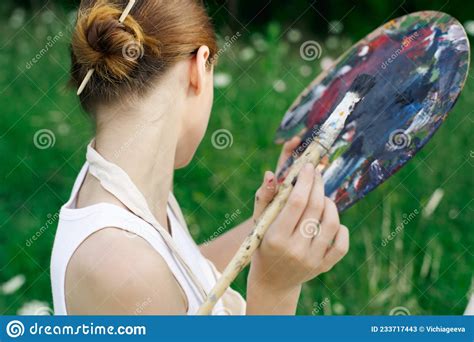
[194,273]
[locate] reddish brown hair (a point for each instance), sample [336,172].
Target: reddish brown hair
[127,57]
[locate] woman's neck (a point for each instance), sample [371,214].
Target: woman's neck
[143,145]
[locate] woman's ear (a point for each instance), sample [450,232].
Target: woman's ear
[199,71]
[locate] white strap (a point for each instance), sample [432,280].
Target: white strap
[118,183]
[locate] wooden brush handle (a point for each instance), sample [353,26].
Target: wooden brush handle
[241,259]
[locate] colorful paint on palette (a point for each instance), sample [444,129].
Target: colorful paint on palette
[420,63]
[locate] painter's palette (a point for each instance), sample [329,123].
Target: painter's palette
[420,62]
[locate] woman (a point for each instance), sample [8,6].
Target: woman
[122,246]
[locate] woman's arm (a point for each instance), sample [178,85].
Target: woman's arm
[221,250]
[261,300]
[113,273]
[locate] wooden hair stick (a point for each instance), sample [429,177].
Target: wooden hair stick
[91,71]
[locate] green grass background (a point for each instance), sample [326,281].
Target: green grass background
[426,269]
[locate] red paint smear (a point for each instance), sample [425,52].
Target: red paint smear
[342,196]
[418,45]
[377,55]
[322,107]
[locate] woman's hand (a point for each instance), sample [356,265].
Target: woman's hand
[287,150]
[305,240]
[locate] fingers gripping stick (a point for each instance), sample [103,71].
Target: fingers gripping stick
[313,154]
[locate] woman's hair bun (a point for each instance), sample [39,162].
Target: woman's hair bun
[129,58]
[112,48]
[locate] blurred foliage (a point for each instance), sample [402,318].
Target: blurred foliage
[427,268]
[359,17]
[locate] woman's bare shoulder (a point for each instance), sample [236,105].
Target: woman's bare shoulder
[118,273]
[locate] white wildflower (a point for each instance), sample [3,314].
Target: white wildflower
[247,54]
[453,214]
[294,36]
[259,42]
[469,26]
[13,285]
[279,86]
[64,128]
[222,80]
[433,202]
[339,309]
[326,63]
[335,27]
[333,42]
[35,308]
[470,307]
[17,18]
[47,17]
[305,70]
